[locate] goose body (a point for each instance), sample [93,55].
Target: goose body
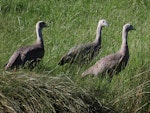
[85,52]
[113,63]
[31,54]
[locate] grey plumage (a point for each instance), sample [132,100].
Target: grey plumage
[83,53]
[31,54]
[113,63]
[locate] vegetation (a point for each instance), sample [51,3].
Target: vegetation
[29,94]
[71,23]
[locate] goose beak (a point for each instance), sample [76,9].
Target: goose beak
[133,28]
[46,25]
[106,24]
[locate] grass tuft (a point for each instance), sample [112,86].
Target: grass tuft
[31,93]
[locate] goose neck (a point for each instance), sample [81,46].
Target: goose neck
[124,45]
[98,34]
[39,35]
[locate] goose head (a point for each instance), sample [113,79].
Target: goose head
[127,27]
[102,23]
[41,24]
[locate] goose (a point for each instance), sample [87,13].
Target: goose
[113,63]
[85,52]
[30,54]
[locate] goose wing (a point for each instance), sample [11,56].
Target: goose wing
[31,53]
[78,54]
[104,65]
[15,60]
[23,54]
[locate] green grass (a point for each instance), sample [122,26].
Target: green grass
[74,22]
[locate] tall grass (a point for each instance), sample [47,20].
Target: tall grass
[32,94]
[74,22]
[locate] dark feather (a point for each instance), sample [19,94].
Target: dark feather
[30,54]
[80,54]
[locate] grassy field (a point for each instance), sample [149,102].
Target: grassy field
[71,23]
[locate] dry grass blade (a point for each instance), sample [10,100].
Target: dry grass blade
[137,97]
[27,93]
[5,106]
